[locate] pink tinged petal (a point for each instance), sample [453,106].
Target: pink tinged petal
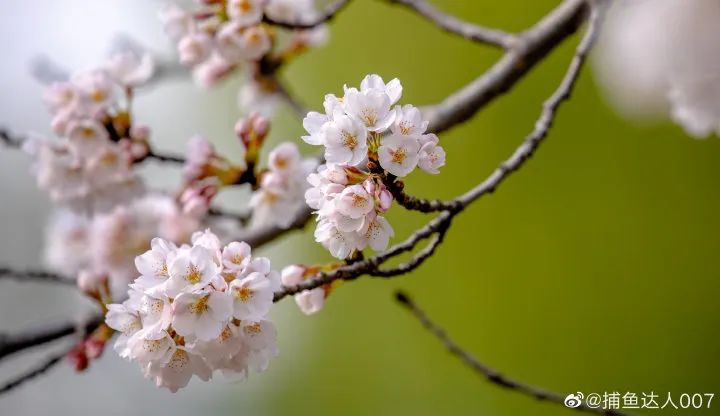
[310,301]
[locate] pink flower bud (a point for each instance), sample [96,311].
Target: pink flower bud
[90,282]
[384,198]
[369,186]
[292,274]
[140,132]
[261,126]
[94,348]
[78,358]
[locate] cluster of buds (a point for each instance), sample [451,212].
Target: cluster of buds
[225,34]
[196,309]
[368,143]
[277,190]
[90,167]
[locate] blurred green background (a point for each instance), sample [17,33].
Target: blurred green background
[592,269]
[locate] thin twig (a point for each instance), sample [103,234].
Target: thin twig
[492,375]
[34,276]
[414,262]
[33,372]
[324,17]
[164,157]
[297,108]
[461,28]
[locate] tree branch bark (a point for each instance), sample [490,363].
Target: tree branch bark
[530,48]
[458,27]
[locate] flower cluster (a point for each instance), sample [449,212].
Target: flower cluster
[101,250]
[196,309]
[362,130]
[90,167]
[282,186]
[226,34]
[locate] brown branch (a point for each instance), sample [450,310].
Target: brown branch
[34,276]
[490,374]
[530,48]
[356,269]
[416,261]
[324,17]
[34,372]
[458,27]
[33,337]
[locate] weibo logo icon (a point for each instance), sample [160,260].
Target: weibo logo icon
[574,400]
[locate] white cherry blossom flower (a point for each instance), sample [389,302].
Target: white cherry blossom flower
[339,243]
[345,140]
[355,202]
[191,269]
[431,156]
[194,48]
[245,12]
[399,154]
[87,137]
[126,321]
[176,21]
[408,121]
[236,256]
[377,232]
[130,69]
[179,369]
[392,89]
[202,314]
[252,297]
[370,107]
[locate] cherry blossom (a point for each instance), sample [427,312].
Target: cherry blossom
[224,36]
[368,144]
[189,314]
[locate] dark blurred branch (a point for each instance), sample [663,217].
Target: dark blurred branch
[490,374]
[30,374]
[34,276]
[324,17]
[33,337]
[10,140]
[461,28]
